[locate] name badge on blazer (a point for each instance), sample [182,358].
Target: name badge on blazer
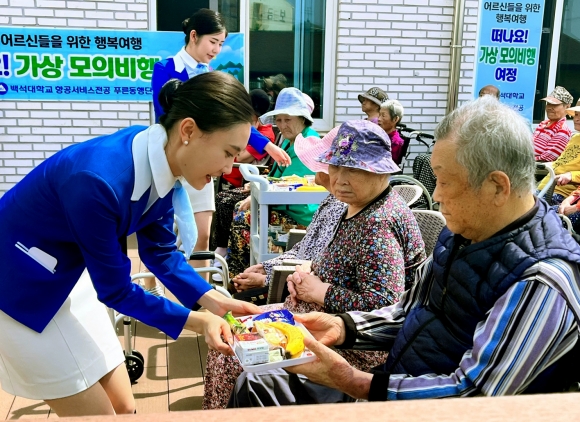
[47,261]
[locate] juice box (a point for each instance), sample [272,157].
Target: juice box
[251,349]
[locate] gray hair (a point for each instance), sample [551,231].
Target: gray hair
[394,108]
[491,137]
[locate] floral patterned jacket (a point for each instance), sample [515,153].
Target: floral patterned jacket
[372,258]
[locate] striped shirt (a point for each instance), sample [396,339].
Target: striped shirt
[549,142]
[528,329]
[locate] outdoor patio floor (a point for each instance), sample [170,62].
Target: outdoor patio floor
[172,380]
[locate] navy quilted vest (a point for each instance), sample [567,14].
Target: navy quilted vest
[434,337]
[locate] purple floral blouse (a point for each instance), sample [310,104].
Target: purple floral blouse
[318,234]
[372,257]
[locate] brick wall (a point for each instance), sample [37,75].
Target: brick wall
[31,131]
[402,46]
[399,45]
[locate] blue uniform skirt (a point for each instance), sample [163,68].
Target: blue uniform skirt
[77,348]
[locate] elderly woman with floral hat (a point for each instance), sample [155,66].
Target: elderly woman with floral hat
[255,279]
[370,255]
[552,135]
[292,116]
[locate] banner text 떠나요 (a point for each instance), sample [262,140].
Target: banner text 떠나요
[508,50]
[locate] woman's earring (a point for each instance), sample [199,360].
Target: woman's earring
[186,143]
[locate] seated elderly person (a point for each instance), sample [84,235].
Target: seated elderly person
[318,233]
[292,116]
[567,167]
[370,103]
[375,247]
[233,182]
[552,135]
[490,90]
[389,117]
[494,312]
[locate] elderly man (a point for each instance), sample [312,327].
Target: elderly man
[552,135]
[495,311]
[490,90]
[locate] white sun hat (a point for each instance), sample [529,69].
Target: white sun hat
[290,101]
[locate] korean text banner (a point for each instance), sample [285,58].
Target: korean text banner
[508,50]
[93,65]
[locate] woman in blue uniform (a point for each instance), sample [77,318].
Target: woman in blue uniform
[205,33]
[62,223]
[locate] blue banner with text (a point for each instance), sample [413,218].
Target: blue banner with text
[93,65]
[508,49]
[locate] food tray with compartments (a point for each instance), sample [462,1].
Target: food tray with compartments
[305,357]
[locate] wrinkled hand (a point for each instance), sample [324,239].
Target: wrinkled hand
[307,287]
[246,188]
[332,370]
[564,179]
[246,281]
[278,154]
[258,269]
[327,329]
[567,209]
[245,204]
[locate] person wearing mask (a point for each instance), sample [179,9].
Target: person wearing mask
[261,105]
[62,262]
[233,183]
[227,200]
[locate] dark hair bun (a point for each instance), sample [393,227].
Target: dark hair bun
[167,94]
[260,101]
[184,25]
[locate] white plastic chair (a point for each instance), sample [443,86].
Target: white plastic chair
[430,223]
[410,193]
[567,222]
[402,179]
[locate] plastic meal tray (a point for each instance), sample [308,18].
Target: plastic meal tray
[307,355]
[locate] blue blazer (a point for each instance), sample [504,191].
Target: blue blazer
[163,71]
[75,206]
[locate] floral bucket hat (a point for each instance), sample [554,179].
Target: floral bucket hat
[362,145]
